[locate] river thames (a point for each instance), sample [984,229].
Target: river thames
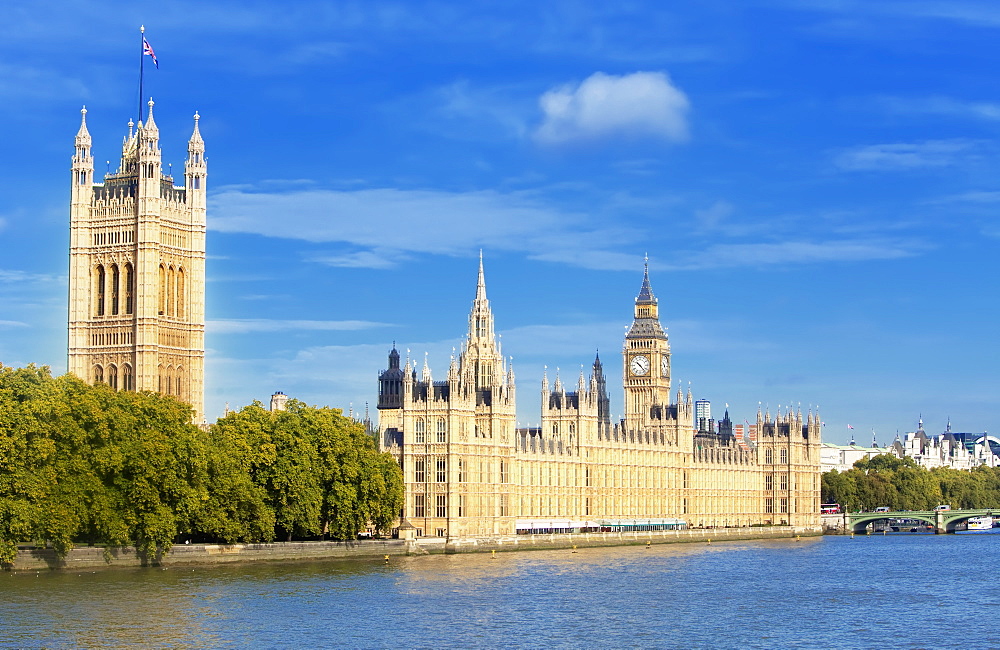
[899,591]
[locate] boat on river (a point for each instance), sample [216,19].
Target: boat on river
[981,523]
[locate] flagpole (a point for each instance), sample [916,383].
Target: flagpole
[142,58]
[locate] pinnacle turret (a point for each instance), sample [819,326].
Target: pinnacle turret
[196,134]
[150,127]
[83,135]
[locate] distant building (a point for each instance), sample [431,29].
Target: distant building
[843,457]
[944,450]
[279,401]
[949,449]
[703,415]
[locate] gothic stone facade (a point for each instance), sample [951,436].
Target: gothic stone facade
[469,471]
[137,268]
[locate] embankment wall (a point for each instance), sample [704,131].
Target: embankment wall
[36,559]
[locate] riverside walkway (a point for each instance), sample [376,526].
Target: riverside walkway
[943,521]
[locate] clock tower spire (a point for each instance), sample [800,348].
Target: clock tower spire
[646,358]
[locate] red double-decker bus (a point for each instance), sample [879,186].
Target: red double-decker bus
[829,508]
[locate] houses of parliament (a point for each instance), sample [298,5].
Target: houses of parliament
[137,322]
[470,471]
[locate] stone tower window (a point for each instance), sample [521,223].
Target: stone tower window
[171,292]
[98,374]
[113,376]
[115,285]
[163,291]
[442,434]
[100,281]
[180,292]
[419,430]
[129,288]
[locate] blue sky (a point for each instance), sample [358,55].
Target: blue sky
[815,184]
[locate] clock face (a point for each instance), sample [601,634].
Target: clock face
[639,365]
[664,367]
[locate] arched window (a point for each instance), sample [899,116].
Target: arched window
[115,286]
[163,291]
[128,378]
[159,379]
[98,374]
[171,292]
[784,456]
[442,435]
[178,379]
[180,292]
[129,288]
[113,376]
[420,430]
[99,286]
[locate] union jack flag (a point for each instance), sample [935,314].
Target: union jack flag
[148,49]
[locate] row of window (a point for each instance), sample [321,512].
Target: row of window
[769,456]
[111,337]
[169,380]
[782,505]
[769,482]
[114,290]
[440,505]
[423,467]
[110,375]
[116,237]
[420,430]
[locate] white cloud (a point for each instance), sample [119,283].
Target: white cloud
[795,252]
[710,217]
[361,259]
[12,323]
[903,156]
[637,104]
[18,277]
[245,325]
[389,222]
[942,106]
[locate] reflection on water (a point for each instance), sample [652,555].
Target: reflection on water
[896,591]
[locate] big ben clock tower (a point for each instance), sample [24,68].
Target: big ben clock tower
[646,358]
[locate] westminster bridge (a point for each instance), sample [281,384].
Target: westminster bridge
[942,521]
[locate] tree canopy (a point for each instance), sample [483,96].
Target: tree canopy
[900,484]
[88,464]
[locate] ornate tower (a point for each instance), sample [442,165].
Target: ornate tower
[646,359]
[137,269]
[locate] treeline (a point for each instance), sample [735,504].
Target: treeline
[84,464]
[901,484]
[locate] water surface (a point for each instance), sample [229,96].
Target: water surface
[900,591]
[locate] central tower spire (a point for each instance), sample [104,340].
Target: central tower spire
[481,355]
